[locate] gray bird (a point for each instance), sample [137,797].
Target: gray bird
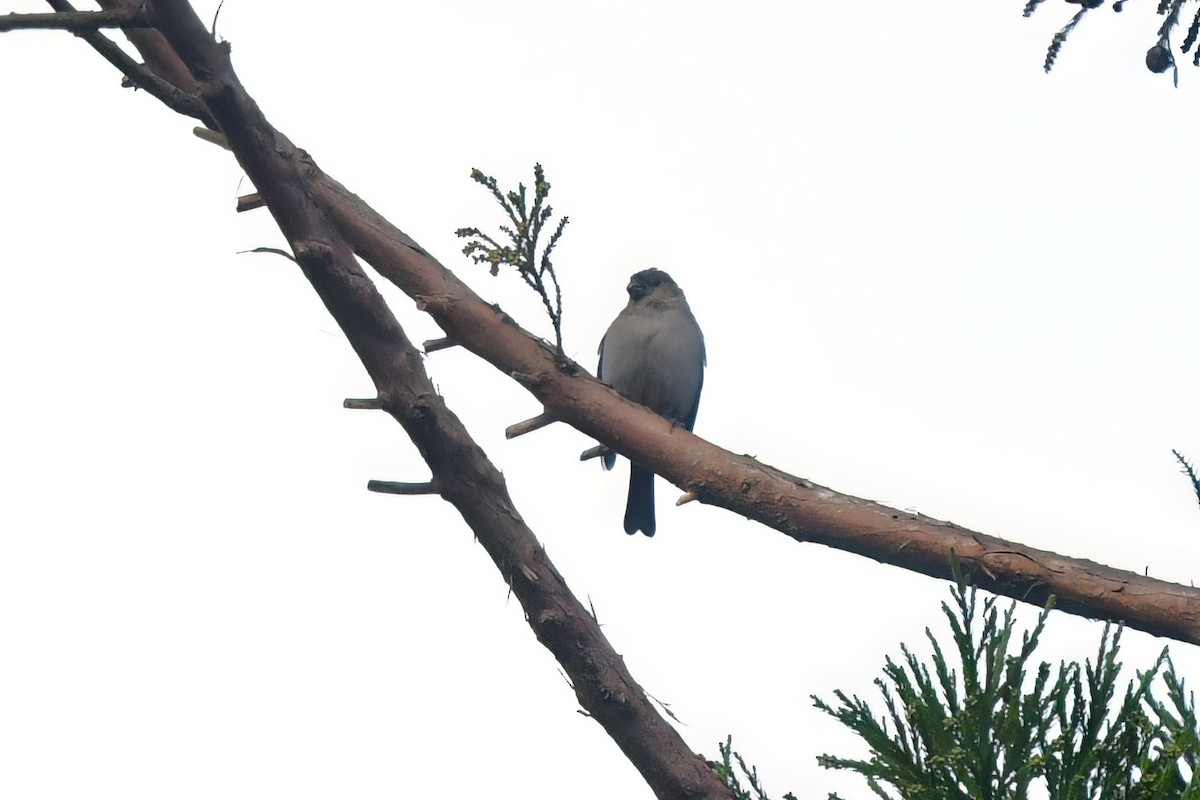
[653,354]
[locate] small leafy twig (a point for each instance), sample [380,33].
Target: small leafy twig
[729,775]
[1060,38]
[521,250]
[1158,58]
[1189,40]
[1188,470]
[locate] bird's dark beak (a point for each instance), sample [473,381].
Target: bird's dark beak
[635,288]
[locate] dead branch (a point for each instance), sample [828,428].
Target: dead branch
[599,451]
[365,404]
[165,91]
[461,472]
[275,251]
[161,59]
[75,21]
[249,202]
[211,136]
[433,345]
[529,426]
[396,487]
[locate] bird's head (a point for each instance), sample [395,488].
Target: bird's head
[644,284]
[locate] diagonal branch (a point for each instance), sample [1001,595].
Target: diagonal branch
[160,58]
[168,93]
[797,507]
[461,472]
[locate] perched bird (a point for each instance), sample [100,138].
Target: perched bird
[653,354]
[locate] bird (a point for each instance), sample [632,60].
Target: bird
[653,354]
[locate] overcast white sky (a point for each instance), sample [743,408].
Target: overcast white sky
[928,274]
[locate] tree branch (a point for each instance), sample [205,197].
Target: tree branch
[168,93]
[159,57]
[397,487]
[799,508]
[75,21]
[461,472]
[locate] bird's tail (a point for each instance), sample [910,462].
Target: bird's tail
[639,510]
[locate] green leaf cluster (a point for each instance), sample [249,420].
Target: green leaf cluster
[520,249]
[981,720]
[1189,471]
[732,769]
